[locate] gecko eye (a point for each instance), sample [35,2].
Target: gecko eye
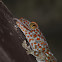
[33,25]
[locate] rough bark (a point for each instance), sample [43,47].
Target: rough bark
[11,39]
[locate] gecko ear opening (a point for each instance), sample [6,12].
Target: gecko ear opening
[33,25]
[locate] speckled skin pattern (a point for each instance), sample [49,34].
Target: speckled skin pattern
[38,45]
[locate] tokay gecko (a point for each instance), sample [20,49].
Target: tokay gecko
[38,45]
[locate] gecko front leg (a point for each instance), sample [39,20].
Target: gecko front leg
[24,45]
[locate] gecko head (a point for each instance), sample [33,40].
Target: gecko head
[28,25]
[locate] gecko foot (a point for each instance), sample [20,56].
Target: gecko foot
[29,52]
[24,45]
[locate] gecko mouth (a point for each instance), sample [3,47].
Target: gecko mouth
[25,27]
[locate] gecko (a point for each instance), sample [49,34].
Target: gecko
[38,45]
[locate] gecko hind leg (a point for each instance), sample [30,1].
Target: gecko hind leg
[24,45]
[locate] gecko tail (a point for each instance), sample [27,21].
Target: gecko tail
[50,57]
[46,57]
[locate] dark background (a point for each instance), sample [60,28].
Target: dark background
[48,15]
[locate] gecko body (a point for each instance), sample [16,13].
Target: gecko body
[38,45]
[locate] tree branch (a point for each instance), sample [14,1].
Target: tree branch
[10,39]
